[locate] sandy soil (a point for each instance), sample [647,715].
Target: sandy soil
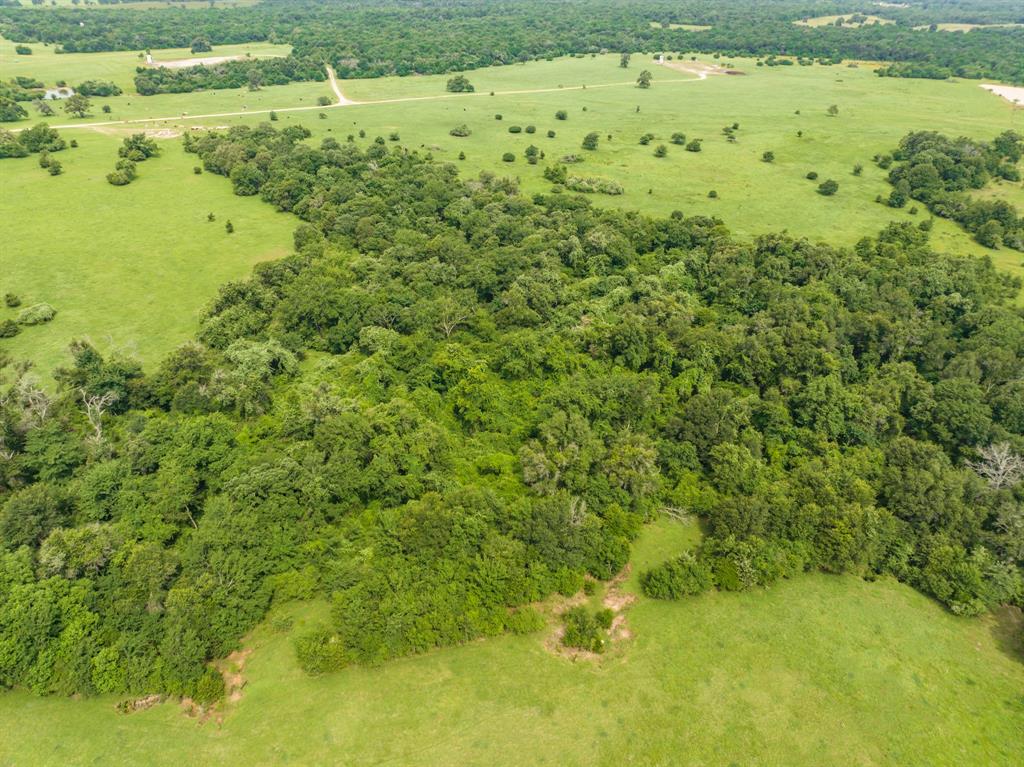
[1012,93]
[698,68]
[207,61]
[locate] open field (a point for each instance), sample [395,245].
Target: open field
[687,27]
[130,267]
[822,670]
[822,21]
[115,66]
[770,104]
[952,27]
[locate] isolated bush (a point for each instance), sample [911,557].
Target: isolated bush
[828,188]
[694,145]
[678,138]
[209,688]
[594,185]
[582,630]
[323,101]
[497,117]
[713,194]
[12,300]
[646,139]
[9,329]
[561,114]
[812,176]
[508,157]
[459,84]
[531,128]
[661,150]
[515,129]
[36,314]
[55,168]
[460,131]
[551,134]
[768,157]
[590,140]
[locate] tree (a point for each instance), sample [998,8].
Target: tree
[590,140]
[561,114]
[828,188]
[694,145]
[459,84]
[11,110]
[201,45]
[77,105]
[96,406]
[678,138]
[229,227]
[43,107]
[999,465]
[644,80]
[768,157]
[661,150]
[624,60]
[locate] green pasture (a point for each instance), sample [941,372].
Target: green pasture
[115,66]
[132,267]
[821,670]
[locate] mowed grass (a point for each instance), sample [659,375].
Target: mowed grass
[129,268]
[821,670]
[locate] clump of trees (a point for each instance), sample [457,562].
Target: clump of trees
[459,84]
[940,172]
[98,88]
[828,187]
[39,138]
[134,149]
[590,140]
[460,131]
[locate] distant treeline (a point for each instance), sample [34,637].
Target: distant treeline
[370,39]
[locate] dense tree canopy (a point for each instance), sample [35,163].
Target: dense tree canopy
[453,400]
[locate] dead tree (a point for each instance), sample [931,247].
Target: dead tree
[95,406]
[999,466]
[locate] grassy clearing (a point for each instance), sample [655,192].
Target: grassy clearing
[687,27]
[115,66]
[951,27]
[820,670]
[128,267]
[823,21]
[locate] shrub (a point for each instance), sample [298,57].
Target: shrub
[393,136]
[273,116]
[582,630]
[646,139]
[525,620]
[594,185]
[713,195]
[812,176]
[858,169]
[22,50]
[551,134]
[828,188]
[590,140]
[323,101]
[768,157]
[12,300]
[561,114]
[319,651]
[570,159]
[684,576]
[9,329]
[460,131]
[661,150]
[99,88]
[55,168]
[209,688]
[118,178]
[678,138]
[197,169]
[36,314]
[508,157]
[515,129]
[694,145]
[497,117]
[531,128]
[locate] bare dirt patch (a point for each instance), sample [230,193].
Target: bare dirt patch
[615,599]
[1012,93]
[206,61]
[699,68]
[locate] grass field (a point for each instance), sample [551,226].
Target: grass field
[115,66]
[145,5]
[98,291]
[817,671]
[953,27]
[822,21]
[128,267]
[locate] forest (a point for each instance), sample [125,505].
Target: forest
[452,401]
[369,38]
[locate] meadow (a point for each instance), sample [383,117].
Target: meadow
[780,109]
[818,670]
[129,268]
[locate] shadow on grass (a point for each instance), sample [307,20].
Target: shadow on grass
[1008,631]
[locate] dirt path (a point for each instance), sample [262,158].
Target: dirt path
[345,102]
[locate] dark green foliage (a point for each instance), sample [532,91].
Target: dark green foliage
[941,172]
[252,73]
[460,131]
[463,444]
[828,187]
[459,84]
[98,88]
[590,140]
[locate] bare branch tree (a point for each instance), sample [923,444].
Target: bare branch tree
[34,401]
[95,406]
[999,466]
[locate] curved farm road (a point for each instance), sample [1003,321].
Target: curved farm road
[346,102]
